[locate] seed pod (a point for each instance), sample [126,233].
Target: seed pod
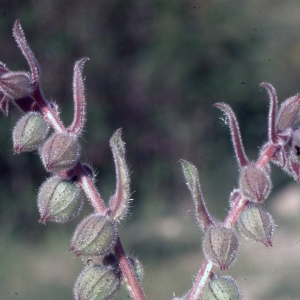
[29,133]
[60,152]
[221,246]
[96,283]
[59,200]
[256,225]
[222,288]
[95,235]
[255,183]
[16,84]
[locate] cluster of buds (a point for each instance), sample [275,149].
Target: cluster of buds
[62,195]
[96,239]
[220,243]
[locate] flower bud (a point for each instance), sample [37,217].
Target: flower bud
[16,84]
[96,283]
[255,183]
[221,246]
[256,225]
[59,200]
[222,288]
[95,235]
[288,113]
[60,152]
[29,133]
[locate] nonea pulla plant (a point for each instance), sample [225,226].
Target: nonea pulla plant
[96,239]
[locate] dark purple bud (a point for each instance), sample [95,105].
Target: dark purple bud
[16,84]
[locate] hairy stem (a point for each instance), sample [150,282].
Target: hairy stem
[132,283]
[229,222]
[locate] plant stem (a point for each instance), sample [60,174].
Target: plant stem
[132,283]
[203,275]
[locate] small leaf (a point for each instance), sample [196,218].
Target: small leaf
[79,98]
[235,133]
[119,202]
[192,180]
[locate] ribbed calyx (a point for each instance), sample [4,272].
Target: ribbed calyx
[95,235]
[60,152]
[255,183]
[222,288]
[29,133]
[96,282]
[59,200]
[256,225]
[221,246]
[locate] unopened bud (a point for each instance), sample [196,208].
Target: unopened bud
[16,84]
[59,200]
[96,283]
[95,235]
[29,133]
[222,288]
[256,225]
[255,183]
[60,152]
[288,113]
[221,246]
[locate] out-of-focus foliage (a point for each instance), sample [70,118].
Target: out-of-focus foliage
[156,67]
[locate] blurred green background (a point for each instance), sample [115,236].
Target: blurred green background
[156,68]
